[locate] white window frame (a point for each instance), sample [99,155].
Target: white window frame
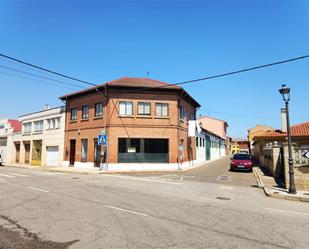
[160,109]
[141,106]
[125,108]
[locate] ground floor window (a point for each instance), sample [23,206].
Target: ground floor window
[142,150]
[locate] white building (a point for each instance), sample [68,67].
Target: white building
[7,127]
[41,139]
[208,146]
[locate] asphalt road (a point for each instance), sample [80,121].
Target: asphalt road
[187,210]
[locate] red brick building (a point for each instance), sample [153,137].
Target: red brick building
[144,121]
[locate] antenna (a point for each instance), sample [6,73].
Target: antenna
[148,74]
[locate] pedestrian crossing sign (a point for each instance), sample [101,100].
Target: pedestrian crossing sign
[102,139]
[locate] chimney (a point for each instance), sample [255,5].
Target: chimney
[283,120]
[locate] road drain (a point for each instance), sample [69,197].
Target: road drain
[224,178]
[223,198]
[75,178]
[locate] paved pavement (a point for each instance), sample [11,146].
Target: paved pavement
[64,210]
[212,172]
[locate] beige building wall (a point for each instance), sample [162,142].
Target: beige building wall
[49,137]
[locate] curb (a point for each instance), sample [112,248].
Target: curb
[85,172]
[277,193]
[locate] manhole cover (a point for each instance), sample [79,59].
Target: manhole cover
[223,198]
[305,193]
[224,178]
[75,178]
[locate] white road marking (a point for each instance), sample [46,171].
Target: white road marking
[43,173]
[125,210]
[6,175]
[39,189]
[16,174]
[286,211]
[227,187]
[143,179]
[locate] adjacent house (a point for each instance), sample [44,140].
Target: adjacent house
[209,146]
[271,149]
[41,139]
[217,127]
[255,131]
[7,127]
[145,122]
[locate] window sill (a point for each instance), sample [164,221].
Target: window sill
[37,132]
[124,116]
[144,116]
[98,117]
[162,117]
[73,121]
[84,119]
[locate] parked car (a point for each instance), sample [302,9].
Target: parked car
[241,162]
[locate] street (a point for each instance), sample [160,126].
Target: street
[206,207]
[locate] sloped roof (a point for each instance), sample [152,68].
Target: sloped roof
[299,130]
[136,83]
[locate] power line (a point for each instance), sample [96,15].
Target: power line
[39,76]
[167,85]
[46,70]
[33,80]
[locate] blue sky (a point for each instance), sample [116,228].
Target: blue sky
[173,40]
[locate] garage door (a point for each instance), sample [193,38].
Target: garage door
[52,155]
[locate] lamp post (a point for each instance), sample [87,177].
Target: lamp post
[285,92]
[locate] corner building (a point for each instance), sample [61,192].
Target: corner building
[144,121]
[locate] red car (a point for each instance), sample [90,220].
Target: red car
[241,162]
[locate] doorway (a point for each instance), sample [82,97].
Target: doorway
[97,153]
[208,145]
[72,151]
[27,152]
[17,155]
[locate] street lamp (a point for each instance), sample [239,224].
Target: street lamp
[285,92]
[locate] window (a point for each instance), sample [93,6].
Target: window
[27,127]
[74,113]
[98,110]
[85,111]
[53,123]
[201,143]
[84,150]
[162,109]
[181,112]
[196,142]
[125,108]
[38,126]
[143,108]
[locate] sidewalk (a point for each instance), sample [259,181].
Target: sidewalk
[98,171]
[272,190]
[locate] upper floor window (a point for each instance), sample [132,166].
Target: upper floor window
[125,108]
[98,109]
[74,113]
[181,112]
[38,126]
[85,111]
[27,127]
[53,123]
[143,108]
[162,109]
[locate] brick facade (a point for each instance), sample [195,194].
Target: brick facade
[134,126]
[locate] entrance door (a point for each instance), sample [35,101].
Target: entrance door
[17,148]
[208,145]
[27,153]
[97,153]
[52,155]
[72,151]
